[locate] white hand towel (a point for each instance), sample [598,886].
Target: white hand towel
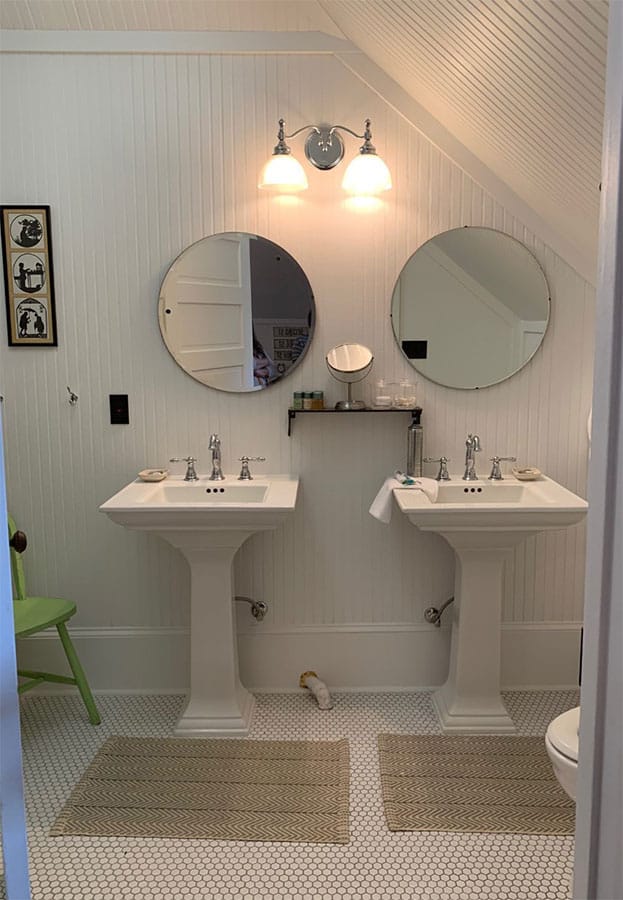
[382,504]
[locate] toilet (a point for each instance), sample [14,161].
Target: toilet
[561,742]
[562,735]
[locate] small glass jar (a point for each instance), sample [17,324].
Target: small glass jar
[317,400]
[405,395]
[382,396]
[307,400]
[297,400]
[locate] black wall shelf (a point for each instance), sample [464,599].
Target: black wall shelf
[293,413]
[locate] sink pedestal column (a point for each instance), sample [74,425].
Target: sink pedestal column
[470,700]
[218,705]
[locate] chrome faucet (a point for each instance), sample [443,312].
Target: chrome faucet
[472,446]
[215,447]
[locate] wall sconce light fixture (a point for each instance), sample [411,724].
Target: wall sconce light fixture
[365,175]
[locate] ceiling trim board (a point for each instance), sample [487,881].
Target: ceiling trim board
[178,42]
[432,129]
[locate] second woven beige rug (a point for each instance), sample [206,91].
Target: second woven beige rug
[220,789]
[477,783]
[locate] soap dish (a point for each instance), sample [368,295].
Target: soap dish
[526,473]
[153,474]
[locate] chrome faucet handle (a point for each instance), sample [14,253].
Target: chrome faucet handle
[245,474]
[191,474]
[442,474]
[496,471]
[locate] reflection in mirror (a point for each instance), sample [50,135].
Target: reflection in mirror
[349,363]
[470,307]
[236,312]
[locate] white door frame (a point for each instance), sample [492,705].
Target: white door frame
[598,856]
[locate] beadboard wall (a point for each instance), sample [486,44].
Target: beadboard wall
[139,156]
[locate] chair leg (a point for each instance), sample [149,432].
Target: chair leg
[81,679]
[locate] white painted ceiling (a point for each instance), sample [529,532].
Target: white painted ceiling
[518,83]
[166,15]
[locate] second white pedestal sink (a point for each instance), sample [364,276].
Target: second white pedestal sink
[208,521]
[482,521]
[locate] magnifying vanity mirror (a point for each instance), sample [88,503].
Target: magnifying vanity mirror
[470,308]
[236,312]
[349,363]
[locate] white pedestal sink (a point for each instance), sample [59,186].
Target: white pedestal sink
[208,521]
[482,521]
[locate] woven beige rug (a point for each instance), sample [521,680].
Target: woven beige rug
[220,789]
[481,783]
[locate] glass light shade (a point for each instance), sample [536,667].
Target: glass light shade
[284,174]
[367,175]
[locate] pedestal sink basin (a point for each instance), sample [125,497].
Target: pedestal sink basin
[482,521]
[208,521]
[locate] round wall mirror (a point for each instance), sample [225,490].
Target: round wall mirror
[236,312]
[470,308]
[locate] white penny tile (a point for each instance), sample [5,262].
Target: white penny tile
[376,865]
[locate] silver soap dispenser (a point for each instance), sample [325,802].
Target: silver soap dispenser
[415,444]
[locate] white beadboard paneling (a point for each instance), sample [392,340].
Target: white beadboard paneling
[136,156]
[519,84]
[392,656]
[166,15]
[514,88]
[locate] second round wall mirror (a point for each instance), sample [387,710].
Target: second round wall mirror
[470,308]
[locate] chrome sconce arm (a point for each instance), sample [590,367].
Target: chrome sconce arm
[367,146]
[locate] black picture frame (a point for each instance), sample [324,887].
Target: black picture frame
[28,275]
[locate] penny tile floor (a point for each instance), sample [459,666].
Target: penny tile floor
[58,743]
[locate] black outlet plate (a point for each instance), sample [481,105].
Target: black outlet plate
[119,409]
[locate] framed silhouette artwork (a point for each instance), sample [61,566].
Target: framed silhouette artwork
[28,276]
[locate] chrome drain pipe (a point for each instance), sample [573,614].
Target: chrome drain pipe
[258,607]
[433,615]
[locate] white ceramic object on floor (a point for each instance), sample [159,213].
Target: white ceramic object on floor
[562,745]
[483,521]
[208,521]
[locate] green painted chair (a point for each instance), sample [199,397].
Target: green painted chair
[33,614]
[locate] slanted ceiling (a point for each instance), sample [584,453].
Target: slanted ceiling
[518,83]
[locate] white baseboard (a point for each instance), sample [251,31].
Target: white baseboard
[347,657]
